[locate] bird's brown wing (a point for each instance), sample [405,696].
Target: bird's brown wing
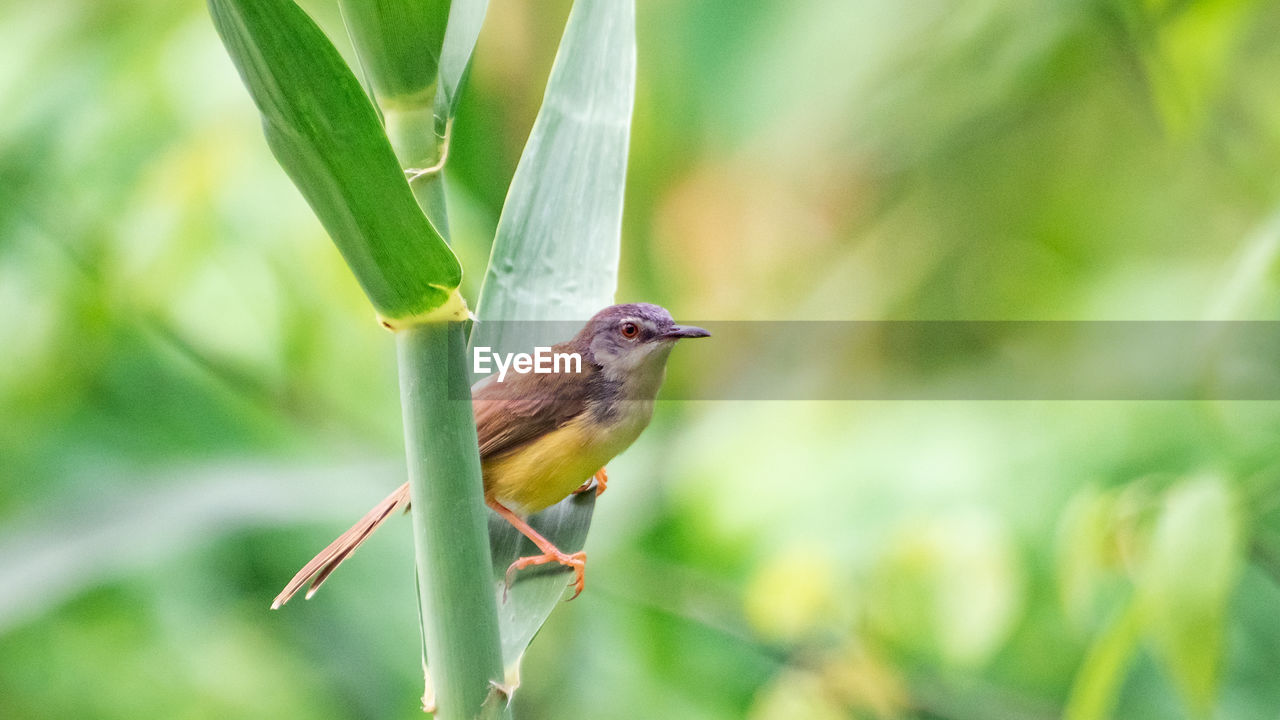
[524,407]
[508,415]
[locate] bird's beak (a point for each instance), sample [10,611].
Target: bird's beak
[684,331]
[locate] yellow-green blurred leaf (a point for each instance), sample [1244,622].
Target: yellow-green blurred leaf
[1097,683]
[1186,582]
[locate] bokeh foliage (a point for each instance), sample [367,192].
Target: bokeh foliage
[194,397]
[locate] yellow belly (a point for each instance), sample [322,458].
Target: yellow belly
[544,472]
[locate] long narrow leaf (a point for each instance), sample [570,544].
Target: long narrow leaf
[325,134]
[465,19]
[555,256]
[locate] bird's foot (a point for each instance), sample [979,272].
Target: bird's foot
[600,480]
[577,561]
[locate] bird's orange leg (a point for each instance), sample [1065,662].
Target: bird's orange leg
[602,481]
[550,553]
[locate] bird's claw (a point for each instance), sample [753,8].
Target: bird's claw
[577,561]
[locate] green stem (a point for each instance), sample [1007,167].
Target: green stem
[458,611]
[413,136]
[457,608]
[455,585]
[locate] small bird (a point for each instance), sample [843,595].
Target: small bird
[543,436]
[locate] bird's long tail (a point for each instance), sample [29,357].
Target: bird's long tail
[331,557]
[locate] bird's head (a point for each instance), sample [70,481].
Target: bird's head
[631,342]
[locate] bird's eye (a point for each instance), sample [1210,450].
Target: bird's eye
[630,330]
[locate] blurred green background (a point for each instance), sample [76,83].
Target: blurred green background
[195,397]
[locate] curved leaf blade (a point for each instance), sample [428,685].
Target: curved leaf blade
[555,257]
[326,135]
[465,20]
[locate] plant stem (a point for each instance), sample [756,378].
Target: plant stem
[413,136]
[457,607]
[455,585]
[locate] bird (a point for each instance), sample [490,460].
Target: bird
[544,436]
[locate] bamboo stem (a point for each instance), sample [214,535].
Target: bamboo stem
[413,136]
[455,585]
[457,605]
[458,610]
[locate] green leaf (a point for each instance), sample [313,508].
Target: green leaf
[1186,583]
[555,257]
[1185,50]
[398,42]
[465,20]
[1097,684]
[1088,556]
[326,135]
[536,591]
